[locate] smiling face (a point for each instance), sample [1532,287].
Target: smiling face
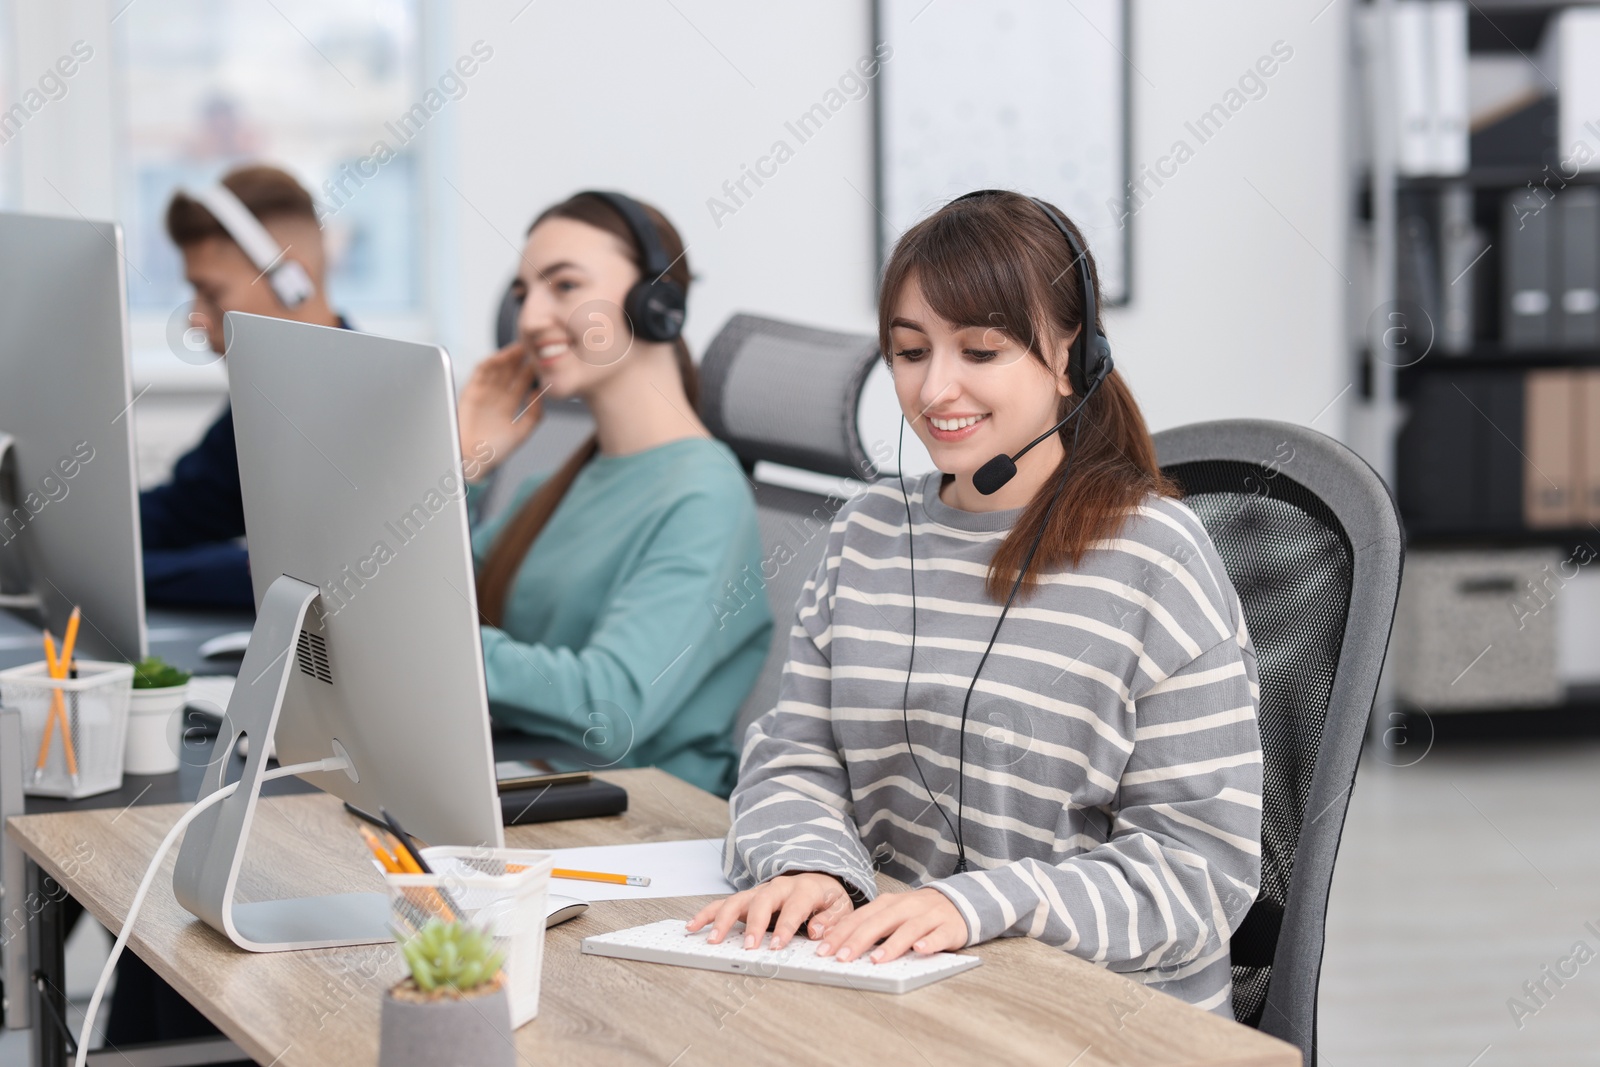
[970,392]
[572,280]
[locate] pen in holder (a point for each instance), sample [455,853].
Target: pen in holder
[73,729]
[473,885]
[72,715]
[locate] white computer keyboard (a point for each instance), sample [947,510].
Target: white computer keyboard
[667,942]
[211,693]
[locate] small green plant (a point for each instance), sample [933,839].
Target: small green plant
[153,672]
[451,955]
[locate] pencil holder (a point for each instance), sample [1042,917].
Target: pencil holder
[95,706]
[501,890]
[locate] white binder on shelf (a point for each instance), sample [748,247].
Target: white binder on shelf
[1569,51]
[1428,49]
[1452,138]
[1411,32]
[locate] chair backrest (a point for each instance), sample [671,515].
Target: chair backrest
[1311,539]
[788,394]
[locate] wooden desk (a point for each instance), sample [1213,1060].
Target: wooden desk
[1027,1003]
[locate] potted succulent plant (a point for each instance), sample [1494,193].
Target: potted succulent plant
[155,717]
[452,1007]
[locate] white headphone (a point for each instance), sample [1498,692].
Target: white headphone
[288,278]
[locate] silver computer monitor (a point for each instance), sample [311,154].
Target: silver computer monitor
[350,462]
[69,495]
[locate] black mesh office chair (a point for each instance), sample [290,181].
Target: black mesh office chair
[1311,539]
[787,394]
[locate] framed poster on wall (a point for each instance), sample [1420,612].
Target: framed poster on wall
[1030,95]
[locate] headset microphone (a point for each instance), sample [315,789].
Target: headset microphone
[988,478]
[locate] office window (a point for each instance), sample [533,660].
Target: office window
[205,85]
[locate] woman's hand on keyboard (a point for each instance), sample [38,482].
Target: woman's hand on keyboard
[794,898]
[923,920]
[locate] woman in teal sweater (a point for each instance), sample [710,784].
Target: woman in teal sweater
[603,586]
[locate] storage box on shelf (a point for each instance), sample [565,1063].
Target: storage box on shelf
[1477,629]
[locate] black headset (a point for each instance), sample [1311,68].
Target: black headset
[656,304]
[1088,364]
[1088,360]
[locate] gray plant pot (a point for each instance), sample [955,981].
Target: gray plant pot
[473,1032]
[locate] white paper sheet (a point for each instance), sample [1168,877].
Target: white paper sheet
[675,869]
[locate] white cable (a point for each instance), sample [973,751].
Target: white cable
[332,763]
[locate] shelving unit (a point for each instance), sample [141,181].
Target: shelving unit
[1389,389]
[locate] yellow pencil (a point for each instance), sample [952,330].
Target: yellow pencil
[44,742]
[64,668]
[379,852]
[58,709]
[636,880]
[69,642]
[402,855]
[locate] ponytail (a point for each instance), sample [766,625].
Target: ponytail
[517,536]
[1113,469]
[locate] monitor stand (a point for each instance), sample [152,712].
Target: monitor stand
[14,571]
[212,853]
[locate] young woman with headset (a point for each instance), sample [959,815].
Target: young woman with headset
[599,584]
[1022,683]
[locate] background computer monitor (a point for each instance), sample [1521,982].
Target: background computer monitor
[69,526]
[350,461]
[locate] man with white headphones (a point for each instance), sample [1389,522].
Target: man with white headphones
[251,243]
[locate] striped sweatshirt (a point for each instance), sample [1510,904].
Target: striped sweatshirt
[1112,781]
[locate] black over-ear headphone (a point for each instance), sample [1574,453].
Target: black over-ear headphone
[656,304]
[1088,360]
[1088,364]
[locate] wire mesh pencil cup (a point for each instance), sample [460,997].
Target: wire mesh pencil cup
[96,707]
[501,890]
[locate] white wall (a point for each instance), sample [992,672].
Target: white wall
[68,149]
[630,95]
[1235,311]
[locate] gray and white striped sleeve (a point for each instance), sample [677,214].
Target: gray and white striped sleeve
[791,810]
[1182,862]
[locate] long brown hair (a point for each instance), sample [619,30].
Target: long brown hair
[522,529]
[999,261]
